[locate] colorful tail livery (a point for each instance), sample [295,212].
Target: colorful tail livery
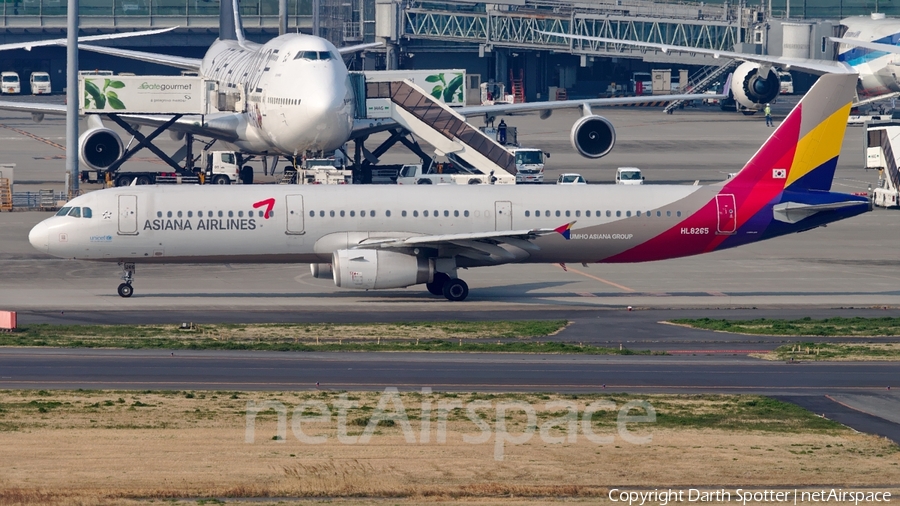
[391,237]
[784,188]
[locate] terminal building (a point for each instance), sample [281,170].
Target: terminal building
[496,41]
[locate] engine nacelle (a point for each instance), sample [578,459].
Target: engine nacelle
[750,89]
[321,271]
[367,269]
[98,148]
[593,136]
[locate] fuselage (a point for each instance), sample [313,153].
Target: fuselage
[297,92]
[877,69]
[273,223]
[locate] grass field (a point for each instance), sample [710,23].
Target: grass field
[453,336]
[829,327]
[117,447]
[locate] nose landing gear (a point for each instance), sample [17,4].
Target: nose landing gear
[125,289]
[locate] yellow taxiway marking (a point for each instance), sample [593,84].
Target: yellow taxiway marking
[610,283]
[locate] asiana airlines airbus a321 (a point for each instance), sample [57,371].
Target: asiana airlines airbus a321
[397,236]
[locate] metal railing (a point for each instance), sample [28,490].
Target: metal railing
[43,199]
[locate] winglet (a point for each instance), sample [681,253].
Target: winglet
[564,230]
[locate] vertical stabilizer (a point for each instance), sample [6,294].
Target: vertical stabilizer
[230,27]
[803,152]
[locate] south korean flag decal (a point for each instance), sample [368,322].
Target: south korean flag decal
[779,173]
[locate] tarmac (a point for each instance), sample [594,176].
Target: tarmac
[844,269]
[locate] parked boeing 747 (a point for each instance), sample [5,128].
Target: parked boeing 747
[399,236]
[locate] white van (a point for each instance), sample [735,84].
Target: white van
[787,83]
[40,83]
[629,176]
[10,83]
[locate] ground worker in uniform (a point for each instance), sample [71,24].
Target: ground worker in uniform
[768,111]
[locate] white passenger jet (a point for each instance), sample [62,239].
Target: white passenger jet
[398,236]
[298,98]
[869,48]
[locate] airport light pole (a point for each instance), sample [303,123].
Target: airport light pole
[72,99]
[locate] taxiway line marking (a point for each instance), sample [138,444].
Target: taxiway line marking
[610,283]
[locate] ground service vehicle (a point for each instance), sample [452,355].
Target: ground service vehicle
[321,171]
[629,175]
[571,178]
[217,167]
[447,173]
[10,83]
[882,146]
[40,83]
[529,161]
[787,83]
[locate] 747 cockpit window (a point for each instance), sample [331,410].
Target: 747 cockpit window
[314,55]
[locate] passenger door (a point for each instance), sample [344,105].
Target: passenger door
[128,222]
[502,215]
[727,215]
[294,207]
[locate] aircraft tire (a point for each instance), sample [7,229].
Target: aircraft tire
[125,290]
[436,287]
[456,290]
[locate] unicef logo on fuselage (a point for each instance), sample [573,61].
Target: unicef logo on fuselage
[101,238]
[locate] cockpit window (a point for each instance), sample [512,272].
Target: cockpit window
[314,55]
[75,212]
[64,211]
[86,212]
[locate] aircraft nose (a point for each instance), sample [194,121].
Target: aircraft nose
[39,237]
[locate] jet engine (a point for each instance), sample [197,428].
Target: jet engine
[367,269]
[593,136]
[99,147]
[750,89]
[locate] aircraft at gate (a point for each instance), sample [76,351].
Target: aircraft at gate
[398,236]
[868,48]
[298,99]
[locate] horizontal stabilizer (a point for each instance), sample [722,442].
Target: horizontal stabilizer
[793,212]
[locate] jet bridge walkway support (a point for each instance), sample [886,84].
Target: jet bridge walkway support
[440,126]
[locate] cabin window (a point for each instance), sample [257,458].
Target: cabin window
[446,213]
[158,213]
[342,214]
[169,214]
[425,213]
[352,214]
[331,213]
[312,214]
[577,214]
[372,213]
[547,213]
[86,212]
[240,214]
[618,214]
[628,213]
[456,214]
[362,214]
[231,214]
[638,213]
[658,213]
[403,214]
[527,213]
[436,213]
[415,214]
[678,213]
[221,214]
[557,213]
[466,214]
[190,214]
[568,214]
[388,213]
[668,213]
[588,214]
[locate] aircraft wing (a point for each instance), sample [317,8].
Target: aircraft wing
[809,65]
[477,110]
[222,126]
[359,47]
[91,38]
[481,246]
[180,62]
[875,46]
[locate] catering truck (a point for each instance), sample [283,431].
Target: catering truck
[216,167]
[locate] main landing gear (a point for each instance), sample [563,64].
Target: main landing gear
[125,289]
[453,289]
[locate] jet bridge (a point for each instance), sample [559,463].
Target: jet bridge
[438,124]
